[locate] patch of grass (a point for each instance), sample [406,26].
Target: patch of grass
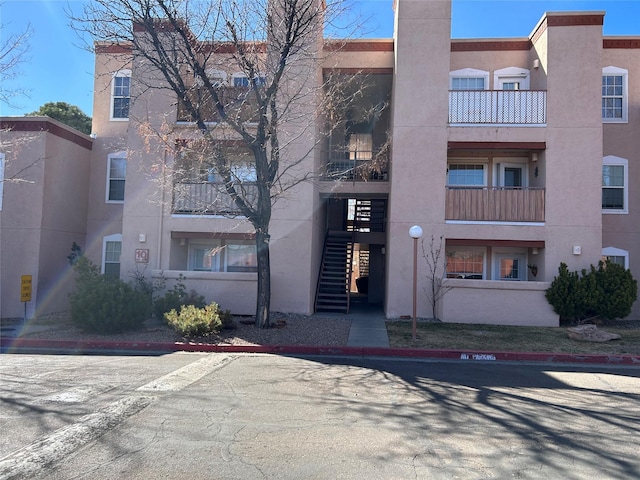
[496,338]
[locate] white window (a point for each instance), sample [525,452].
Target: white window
[614,94]
[467,175]
[360,146]
[616,255]
[615,181]
[121,95]
[1,178]
[467,262]
[216,77]
[116,174]
[241,80]
[510,266]
[469,79]
[111,249]
[223,256]
[511,78]
[511,173]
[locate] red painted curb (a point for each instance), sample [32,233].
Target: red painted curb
[10,345]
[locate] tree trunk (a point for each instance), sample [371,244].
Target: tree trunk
[264,279]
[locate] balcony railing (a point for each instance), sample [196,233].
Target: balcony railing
[510,107]
[204,198]
[357,166]
[495,204]
[237,101]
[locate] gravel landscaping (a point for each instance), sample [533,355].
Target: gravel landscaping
[288,329]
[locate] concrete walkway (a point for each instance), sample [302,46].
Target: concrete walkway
[368,328]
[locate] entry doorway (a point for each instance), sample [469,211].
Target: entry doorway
[365,219]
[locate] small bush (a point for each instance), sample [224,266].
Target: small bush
[106,305]
[175,298]
[618,290]
[227,320]
[195,322]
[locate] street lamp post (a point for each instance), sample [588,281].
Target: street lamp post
[415,232]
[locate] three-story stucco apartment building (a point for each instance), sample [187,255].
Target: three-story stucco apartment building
[518,153]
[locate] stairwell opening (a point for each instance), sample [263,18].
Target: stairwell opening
[352,271]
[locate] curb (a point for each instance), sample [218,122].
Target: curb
[29,345]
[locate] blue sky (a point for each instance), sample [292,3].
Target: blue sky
[58,69]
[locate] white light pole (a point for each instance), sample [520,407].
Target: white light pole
[415,232]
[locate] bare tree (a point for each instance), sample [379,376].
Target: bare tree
[437,273]
[183,47]
[13,52]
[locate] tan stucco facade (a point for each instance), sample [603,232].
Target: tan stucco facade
[536,145]
[44,211]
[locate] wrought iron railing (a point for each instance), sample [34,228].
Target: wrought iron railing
[511,107]
[204,198]
[237,101]
[356,166]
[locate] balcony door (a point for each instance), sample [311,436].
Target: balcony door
[512,175]
[512,101]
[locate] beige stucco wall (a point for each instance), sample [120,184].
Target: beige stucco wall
[419,151]
[498,303]
[104,218]
[622,140]
[42,215]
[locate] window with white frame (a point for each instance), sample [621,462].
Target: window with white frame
[615,181]
[469,79]
[121,95]
[111,250]
[223,256]
[1,178]
[511,78]
[466,174]
[241,80]
[616,255]
[614,94]
[466,262]
[216,77]
[116,174]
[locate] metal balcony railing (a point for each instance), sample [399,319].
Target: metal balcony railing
[204,198]
[495,204]
[237,101]
[356,166]
[498,107]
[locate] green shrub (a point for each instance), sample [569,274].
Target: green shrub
[607,291]
[195,322]
[227,320]
[105,305]
[175,298]
[563,293]
[618,290]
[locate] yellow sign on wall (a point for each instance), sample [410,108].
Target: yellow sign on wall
[25,288]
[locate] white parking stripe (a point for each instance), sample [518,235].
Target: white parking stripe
[187,375]
[32,459]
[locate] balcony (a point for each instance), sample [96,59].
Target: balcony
[498,107]
[495,204]
[364,159]
[238,102]
[205,198]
